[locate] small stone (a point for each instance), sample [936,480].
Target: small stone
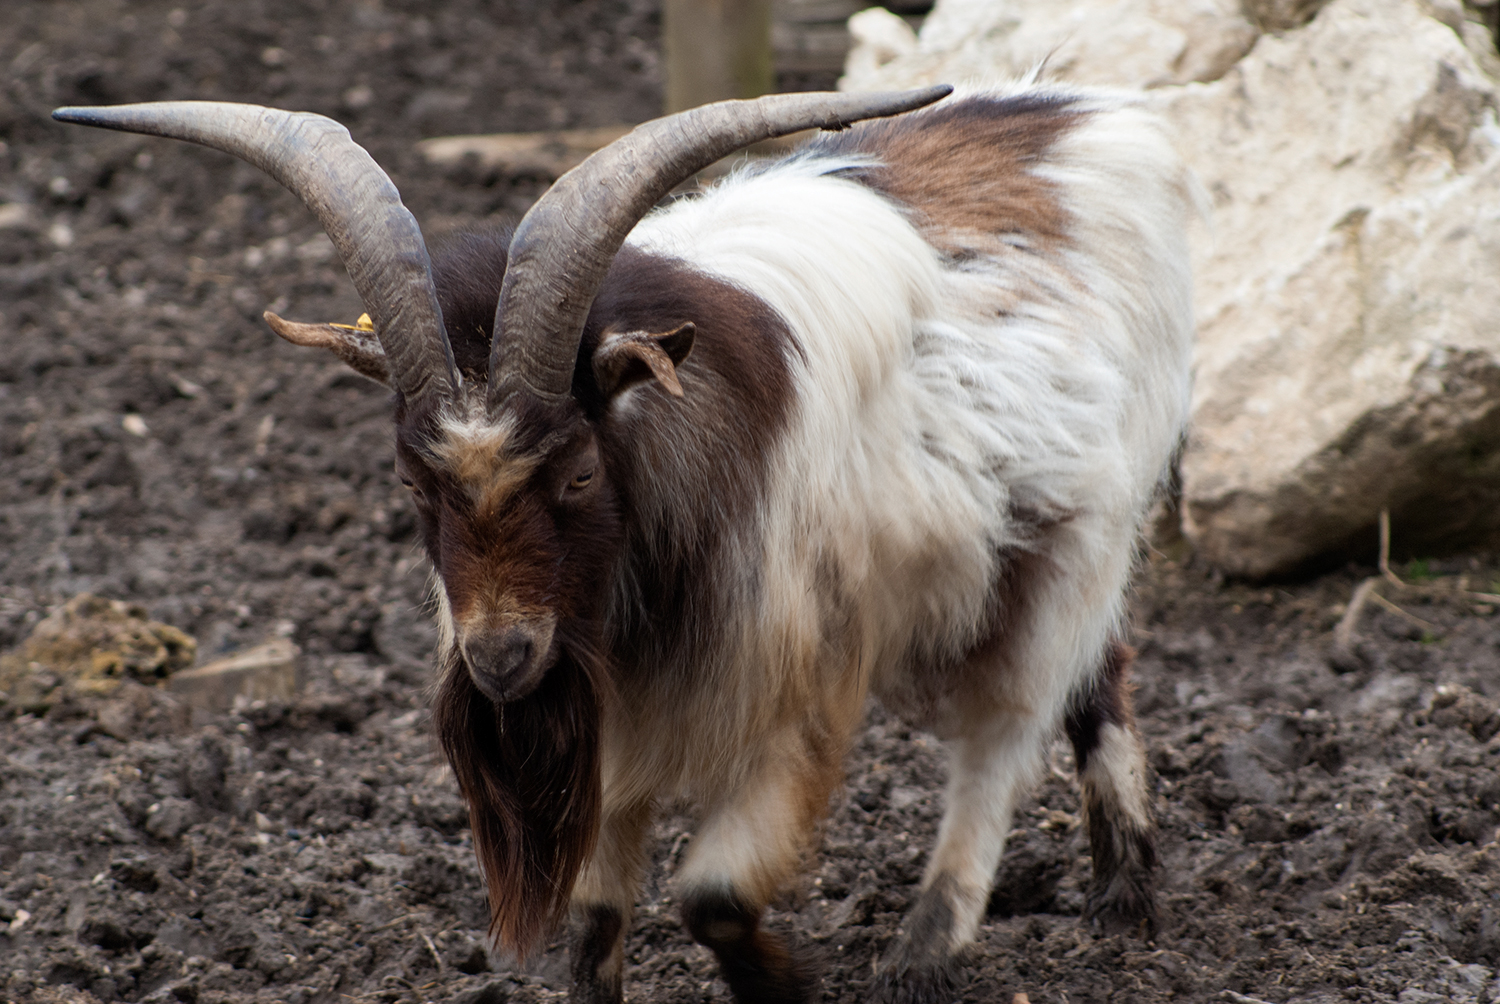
[260,673]
[357,97]
[170,818]
[14,215]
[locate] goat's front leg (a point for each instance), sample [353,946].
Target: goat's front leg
[748,847]
[601,906]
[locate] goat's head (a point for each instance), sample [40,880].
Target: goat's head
[519,514]
[517,507]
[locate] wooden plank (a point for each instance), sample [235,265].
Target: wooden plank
[812,36]
[714,50]
[546,154]
[795,12]
[810,47]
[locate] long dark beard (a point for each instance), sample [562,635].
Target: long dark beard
[529,770]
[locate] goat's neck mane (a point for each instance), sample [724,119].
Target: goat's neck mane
[530,772]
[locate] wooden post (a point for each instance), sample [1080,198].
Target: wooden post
[716,49]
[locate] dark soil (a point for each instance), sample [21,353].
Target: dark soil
[1327,834]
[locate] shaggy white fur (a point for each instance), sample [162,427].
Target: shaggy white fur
[951,418]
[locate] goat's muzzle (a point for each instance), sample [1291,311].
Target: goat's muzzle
[508,663]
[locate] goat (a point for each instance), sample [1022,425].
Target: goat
[884,417]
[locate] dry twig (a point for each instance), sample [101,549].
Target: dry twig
[1413,618]
[392,923]
[1343,635]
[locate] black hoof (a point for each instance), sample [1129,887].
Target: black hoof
[925,983]
[594,945]
[759,966]
[922,968]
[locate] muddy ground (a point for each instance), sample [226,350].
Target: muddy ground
[1328,827]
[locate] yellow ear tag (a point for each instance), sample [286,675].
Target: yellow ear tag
[363,324]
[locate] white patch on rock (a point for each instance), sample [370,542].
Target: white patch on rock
[1141,43]
[879,38]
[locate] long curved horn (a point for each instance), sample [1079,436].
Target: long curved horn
[563,247]
[352,197]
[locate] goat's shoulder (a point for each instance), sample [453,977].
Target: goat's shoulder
[742,346]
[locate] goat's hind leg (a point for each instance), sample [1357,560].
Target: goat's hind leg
[1116,803]
[601,906]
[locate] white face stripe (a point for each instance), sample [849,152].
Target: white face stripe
[443,616]
[477,453]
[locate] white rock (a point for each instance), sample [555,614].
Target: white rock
[263,672]
[1348,302]
[1144,43]
[1349,317]
[878,38]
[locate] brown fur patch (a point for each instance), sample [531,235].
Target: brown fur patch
[1107,702]
[757,964]
[968,168]
[689,471]
[494,570]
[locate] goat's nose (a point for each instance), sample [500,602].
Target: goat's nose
[500,662]
[499,653]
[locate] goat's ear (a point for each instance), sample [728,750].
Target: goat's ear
[355,344]
[624,359]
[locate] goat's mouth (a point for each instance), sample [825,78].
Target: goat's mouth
[508,664]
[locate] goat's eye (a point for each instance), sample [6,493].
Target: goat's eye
[408,483]
[581,481]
